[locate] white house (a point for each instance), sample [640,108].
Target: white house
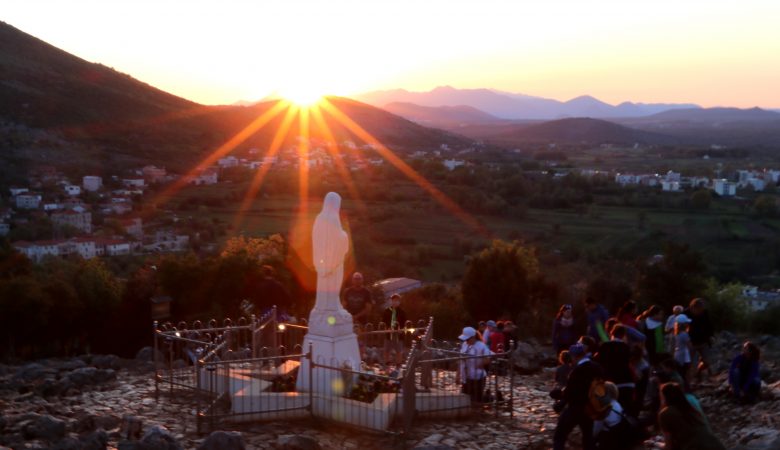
[37,250]
[228,161]
[205,177]
[625,178]
[28,201]
[72,190]
[134,182]
[759,300]
[92,183]
[451,164]
[4,229]
[670,186]
[18,190]
[154,174]
[758,184]
[724,188]
[672,176]
[79,220]
[112,247]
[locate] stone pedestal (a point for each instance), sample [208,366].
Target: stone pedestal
[333,343]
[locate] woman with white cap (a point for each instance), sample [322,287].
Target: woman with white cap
[472,369]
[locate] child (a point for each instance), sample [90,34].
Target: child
[682,346]
[669,328]
[744,374]
[563,370]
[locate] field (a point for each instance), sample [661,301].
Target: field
[411,235]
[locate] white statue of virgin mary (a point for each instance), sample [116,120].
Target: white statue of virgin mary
[330,244]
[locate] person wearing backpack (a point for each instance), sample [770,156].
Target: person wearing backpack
[576,397]
[614,431]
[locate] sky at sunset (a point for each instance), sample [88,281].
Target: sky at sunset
[714,53]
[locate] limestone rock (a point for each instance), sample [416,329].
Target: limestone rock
[97,440]
[297,442]
[223,440]
[106,361]
[159,438]
[44,427]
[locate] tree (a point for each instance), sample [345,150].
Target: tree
[499,280]
[672,279]
[701,199]
[765,206]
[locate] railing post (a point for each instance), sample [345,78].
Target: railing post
[155,358]
[253,336]
[274,332]
[310,357]
[409,391]
[197,396]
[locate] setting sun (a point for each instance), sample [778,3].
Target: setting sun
[301,95]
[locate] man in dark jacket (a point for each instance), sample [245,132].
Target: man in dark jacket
[701,333]
[575,397]
[615,357]
[597,317]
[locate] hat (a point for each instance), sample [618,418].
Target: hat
[491,323]
[468,333]
[577,350]
[682,318]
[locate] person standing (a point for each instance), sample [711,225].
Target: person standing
[357,300]
[472,369]
[575,398]
[682,346]
[564,334]
[597,317]
[615,357]
[669,327]
[395,318]
[701,333]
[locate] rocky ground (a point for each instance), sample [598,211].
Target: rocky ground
[95,402]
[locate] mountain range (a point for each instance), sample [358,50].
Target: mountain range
[505,105]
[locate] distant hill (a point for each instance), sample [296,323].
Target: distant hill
[731,127]
[508,105]
[56,108]
[714,116]
[570,131]
[446,117]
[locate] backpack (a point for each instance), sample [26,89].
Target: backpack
[599,401]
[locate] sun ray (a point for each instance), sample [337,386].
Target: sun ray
[338,161]
[257,180]
[399,164]
[224,149]
[303,162]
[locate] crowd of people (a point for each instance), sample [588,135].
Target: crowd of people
[629,373]
[633,372]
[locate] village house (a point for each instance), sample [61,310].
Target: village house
[112,247]
[758,300]
[72,190]
[18,190]
[92,183]
[36,251]
[134,182]
[670,186]
[451,164]
[4,229]
[724,188]
[205,177]
[153,174]
[79,220]
[227,162]
[134,227]
[28,200]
